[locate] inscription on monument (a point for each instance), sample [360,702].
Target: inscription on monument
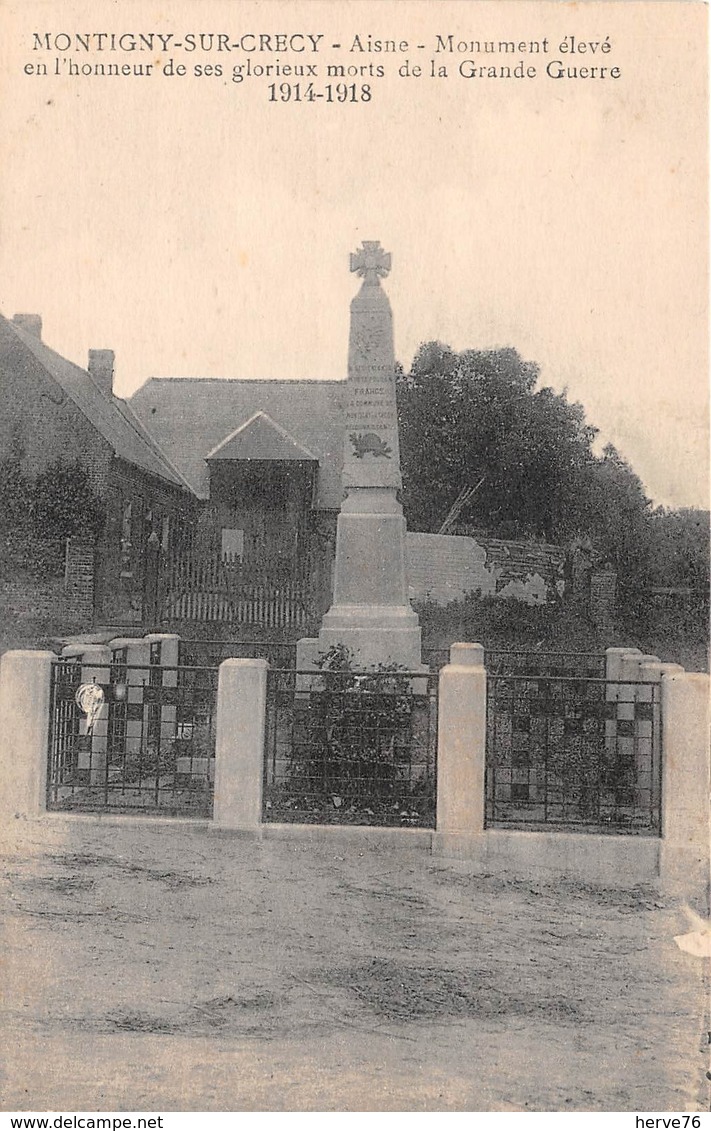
[371,415]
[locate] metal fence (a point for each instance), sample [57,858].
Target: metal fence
[590,665]
[573,753]
[351,748]
[499,661]
[210,652]
[150,749]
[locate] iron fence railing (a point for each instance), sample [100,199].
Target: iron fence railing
[575,753]
[150,748]
[531,661]
[203,651]
[211,652]
[351,748]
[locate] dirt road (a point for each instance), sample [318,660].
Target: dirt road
[168,969]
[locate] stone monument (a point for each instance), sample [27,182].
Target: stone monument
[371,612]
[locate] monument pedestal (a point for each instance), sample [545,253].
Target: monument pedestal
[371,613]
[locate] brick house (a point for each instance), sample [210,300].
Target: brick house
[54,410]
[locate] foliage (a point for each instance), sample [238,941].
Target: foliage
[353,745]
[36,515]
[505,623]
[477,419]
[64,503]
[679,548]
[678,634]
[615,512]
[58,503]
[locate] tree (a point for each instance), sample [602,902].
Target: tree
[475,417]
[680,548]
[614,510]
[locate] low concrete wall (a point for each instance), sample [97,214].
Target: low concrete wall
[678,861]
[350,836]
[604,861]
[446,567]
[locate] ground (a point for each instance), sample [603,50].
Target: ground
[169,968]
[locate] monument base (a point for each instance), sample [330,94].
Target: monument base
[375,634]
[371,613]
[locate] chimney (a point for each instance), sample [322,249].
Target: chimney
[101,369]
[31,323]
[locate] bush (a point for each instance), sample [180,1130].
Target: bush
[498,622]
[38,515]
[354,745]
[58,503]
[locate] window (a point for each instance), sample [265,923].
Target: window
[232,544]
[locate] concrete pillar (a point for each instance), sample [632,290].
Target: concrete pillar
[461,745]
[613,661]
[614,658]
[169,648]
[467,655]
[684,865]
[240,737]
[24,729]
[308,652]
[651,671]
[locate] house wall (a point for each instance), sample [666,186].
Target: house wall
[269,501]
[60,595]
[120,567]
[40,422]
[26,599]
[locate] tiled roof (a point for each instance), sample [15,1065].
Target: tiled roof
[111,417]
[191,417]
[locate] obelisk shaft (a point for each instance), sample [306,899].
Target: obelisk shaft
[371,612]
[371,453]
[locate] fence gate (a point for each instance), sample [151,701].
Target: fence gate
[353,748]
[151,748]
[575,753]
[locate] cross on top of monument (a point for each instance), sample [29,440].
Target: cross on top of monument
[371,263]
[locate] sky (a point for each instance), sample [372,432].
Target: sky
[198,229]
